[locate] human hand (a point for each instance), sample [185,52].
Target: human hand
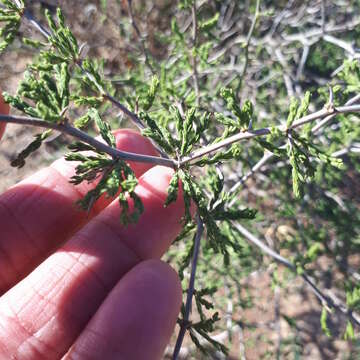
[84,287]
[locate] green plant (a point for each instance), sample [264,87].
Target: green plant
[199,126]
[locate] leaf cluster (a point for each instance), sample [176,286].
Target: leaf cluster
[114,176]
[10,18]
[45,93]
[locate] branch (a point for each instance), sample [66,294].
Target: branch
[268,155]
[340,43]
[36,24]
[134,118]
[82,136]
[324,299]
[247,44]
[123,108]
[266,131]
[286,72]
[230,140]
[323,15]
[327,119]
[318,32]
[190,293]
[194,58]
[142,41]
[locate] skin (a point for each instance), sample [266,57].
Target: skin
[84,287]
[4,109]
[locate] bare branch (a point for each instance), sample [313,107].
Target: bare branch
[141,38]
[267,156]
[340,43]
[324,299]
[190,293]
[194,57]
[327,119]
[247,44]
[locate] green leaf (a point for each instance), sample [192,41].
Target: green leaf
[294,105]
[154,132]
[93,76]
[172,189]
[304,106]
[80,146]
[210,23]
[234,214]
[10,18]
[62,38]
[323,322]
[314,251]
[150,96]
[19,161]
[83,121]
[33,43]
[104,128]
[243,115]
[231,101]
[349,332]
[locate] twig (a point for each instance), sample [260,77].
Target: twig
[316,32]
[327,119]
[280,17]
[287,78]
[135,119]
[123,108]
[80,135]
[242,352]
[323,16]
[229,309]
[228,141]
[138,33]
[268,155]
[220,337]
[303,59]
[277,320]
[247,44]
[340,43]
[324,299]
[185,321]
[266,131]
[194,57]
[351,149]
[36,24]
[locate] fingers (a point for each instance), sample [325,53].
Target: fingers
[136,319]
[39,213]
[4,109]
[48,309]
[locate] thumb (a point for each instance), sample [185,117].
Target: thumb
[4,109]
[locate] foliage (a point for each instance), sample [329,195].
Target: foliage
[10,17]
[204,92]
